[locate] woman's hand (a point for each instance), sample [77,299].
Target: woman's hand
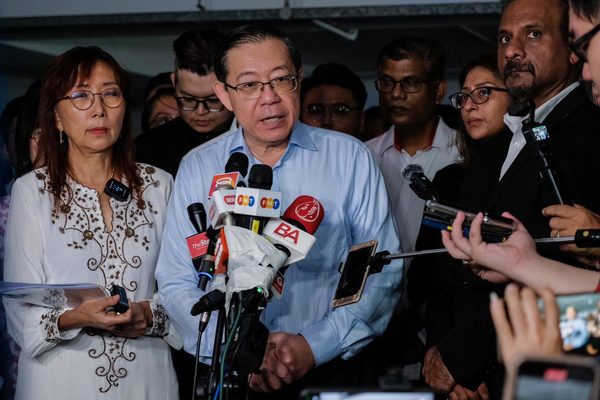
[524,332]
[141,319]
[491,261]
[92,313]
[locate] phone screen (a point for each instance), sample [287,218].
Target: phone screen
[537,381]
[579,322]
[354,272]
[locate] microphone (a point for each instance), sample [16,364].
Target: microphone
[236,169]
[197,216]
[209,302]
[293,235]
[222,194]
[198,244]
[295,229]
[207,262]
[238,162]
[419,183]
[256,203]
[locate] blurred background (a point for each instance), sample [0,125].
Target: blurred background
[140,33]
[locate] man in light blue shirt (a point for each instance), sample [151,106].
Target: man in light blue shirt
[258,70]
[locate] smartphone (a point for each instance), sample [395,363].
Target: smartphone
[561,377]
[355,271]
[123,304]
[366,395]
[579,322]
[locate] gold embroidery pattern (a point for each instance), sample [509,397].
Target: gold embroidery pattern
[113,352]
[80,212]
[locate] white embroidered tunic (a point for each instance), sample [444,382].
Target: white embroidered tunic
[73,246]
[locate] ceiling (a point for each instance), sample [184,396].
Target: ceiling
[143,42]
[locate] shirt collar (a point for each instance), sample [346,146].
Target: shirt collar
[440,137]
[300,136]
[515,123]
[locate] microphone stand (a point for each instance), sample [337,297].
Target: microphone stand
[584,238]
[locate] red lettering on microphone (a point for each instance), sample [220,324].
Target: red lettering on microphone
[229,200]
[288,233]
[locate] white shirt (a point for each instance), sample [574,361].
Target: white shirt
[515,124]
[407,207]
[71,245]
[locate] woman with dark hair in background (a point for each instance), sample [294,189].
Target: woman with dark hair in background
[64,228]
[483,101]
[159,109]
[25,144]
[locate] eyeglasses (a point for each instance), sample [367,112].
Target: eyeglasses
[316,112]
[581,45]
[253,90]
[83,99]
[478,96]
[408,85]
[191,104]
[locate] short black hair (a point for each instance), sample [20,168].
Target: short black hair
[563,6]
[9,114]
[149,105]
[586,9]
[195,50]
[423,49]
[335,74]
[252,33]
[161,80]
[27,123]
[488,61]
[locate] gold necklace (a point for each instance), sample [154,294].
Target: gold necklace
[112,175]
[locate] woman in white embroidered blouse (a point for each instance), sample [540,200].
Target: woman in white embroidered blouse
[63,228]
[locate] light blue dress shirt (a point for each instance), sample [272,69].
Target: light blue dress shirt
[341,173]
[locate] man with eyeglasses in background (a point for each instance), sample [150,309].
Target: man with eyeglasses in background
[333,98]
[258,70]
[537,63]
[410,85]
[202,116]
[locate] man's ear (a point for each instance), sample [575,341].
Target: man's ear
[440,92]
[223,94]
[173,78]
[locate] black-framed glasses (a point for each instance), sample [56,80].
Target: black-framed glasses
[316,112]
[478,96]
[408,85]
[191,104]
[581,45]
[83,99]
[253,90]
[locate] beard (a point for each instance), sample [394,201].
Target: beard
[520,89]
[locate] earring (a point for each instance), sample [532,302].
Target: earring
[61,137]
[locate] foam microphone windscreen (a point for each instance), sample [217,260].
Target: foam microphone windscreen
[410,169]
[238,162]
[307,211]
[260,177]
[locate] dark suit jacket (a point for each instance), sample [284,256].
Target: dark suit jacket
[468,343]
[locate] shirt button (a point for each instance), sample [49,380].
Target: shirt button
[272,322]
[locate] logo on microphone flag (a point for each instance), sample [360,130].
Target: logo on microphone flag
[308,211]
